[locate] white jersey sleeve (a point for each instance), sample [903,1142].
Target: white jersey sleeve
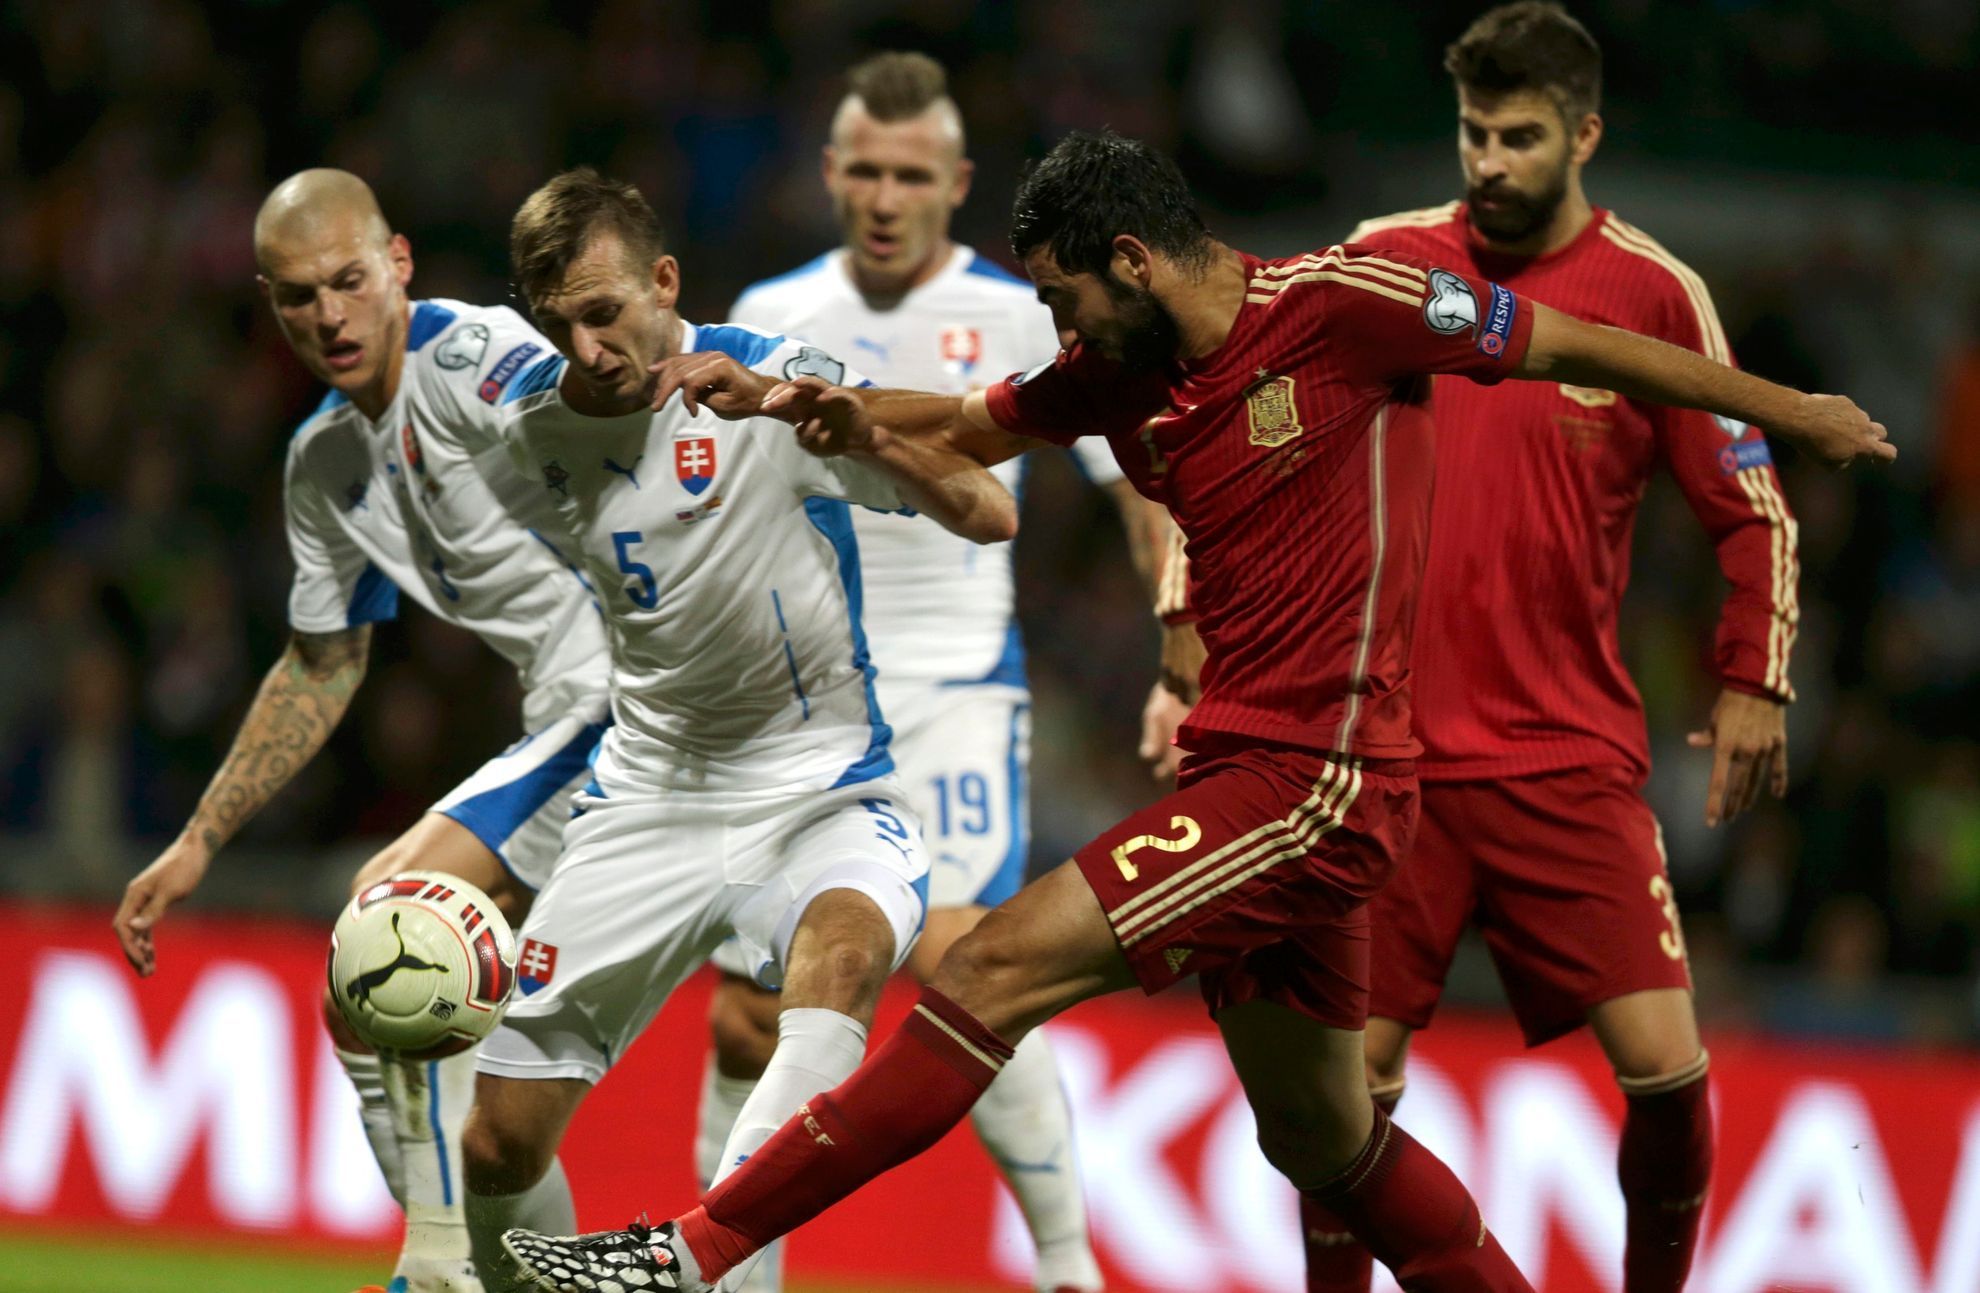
[844,479]
[336,586]
[465,374]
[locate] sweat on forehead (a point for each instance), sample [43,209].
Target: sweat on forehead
[313,207]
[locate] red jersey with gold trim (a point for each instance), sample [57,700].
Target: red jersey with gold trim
[1517,665]
[1296,459]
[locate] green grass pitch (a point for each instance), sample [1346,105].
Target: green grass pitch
[144,1263]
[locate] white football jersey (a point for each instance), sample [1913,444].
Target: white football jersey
[725,561]
[426,501]
[939,609]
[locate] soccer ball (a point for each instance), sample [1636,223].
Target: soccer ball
[422,964]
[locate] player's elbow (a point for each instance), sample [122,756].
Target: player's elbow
[997,522]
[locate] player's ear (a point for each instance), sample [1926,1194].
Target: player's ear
[267,288]
[965,172]
[1587,137]
[667,281]
[1132,262]
[399,252]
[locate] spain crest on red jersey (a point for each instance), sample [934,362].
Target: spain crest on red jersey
[694,462]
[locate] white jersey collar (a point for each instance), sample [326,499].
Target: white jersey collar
[960,259]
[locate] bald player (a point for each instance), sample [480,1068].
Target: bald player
[396,484]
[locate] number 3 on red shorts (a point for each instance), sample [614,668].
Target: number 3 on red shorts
[1189,837]
[1672,939]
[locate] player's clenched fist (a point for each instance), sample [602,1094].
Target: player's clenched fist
[830,420]
[711,380]
[1837,433]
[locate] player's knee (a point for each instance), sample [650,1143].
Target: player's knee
[1309,1141]
[1388,1069]
[1647,1035]
[944,926]
[855,969]
[1655,1059]
[744,1037]
[413,852]
[985,965]
[500,1160]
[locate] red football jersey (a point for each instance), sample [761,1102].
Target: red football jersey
[1517,665]
[1296,459]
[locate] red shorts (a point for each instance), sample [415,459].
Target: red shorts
[1255,875]
[1563,873]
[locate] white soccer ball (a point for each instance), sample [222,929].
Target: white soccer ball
[422,964]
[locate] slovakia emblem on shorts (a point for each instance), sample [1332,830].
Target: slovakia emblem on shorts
[535,966]
[694,462]
[962,347]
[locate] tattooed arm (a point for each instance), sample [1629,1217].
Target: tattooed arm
[300,703]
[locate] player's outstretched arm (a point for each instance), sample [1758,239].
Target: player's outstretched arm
[935,452]
[300,703]
[1829,427]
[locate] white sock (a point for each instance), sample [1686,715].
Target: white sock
[722,1101]
[1026,1125]
[376,1112]
[430,1103]
[816,1050]
[546,1207]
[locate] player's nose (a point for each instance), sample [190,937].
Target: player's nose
[585,348]
[886,199]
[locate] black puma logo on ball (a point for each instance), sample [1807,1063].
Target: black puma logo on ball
[358,990]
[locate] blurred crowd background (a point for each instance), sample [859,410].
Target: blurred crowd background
[1818,163]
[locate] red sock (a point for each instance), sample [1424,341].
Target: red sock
[1337,1262]
[1665,1164]
[1417,1219]
[905,1097]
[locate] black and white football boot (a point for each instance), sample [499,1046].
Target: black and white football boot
[639,1259]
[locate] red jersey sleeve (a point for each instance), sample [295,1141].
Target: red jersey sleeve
[1395,315]
[1728,477]
[1079,393]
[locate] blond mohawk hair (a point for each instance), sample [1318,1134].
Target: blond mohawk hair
[898,84]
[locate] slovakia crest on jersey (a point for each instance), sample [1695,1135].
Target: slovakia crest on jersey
[536,966]
[962,347]
[694,462]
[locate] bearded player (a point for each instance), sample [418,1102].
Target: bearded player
[397,484]
[1278,408]
[919,310]
[1534,827]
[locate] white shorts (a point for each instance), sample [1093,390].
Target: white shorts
[648,886]
[963,755]
[518,802]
